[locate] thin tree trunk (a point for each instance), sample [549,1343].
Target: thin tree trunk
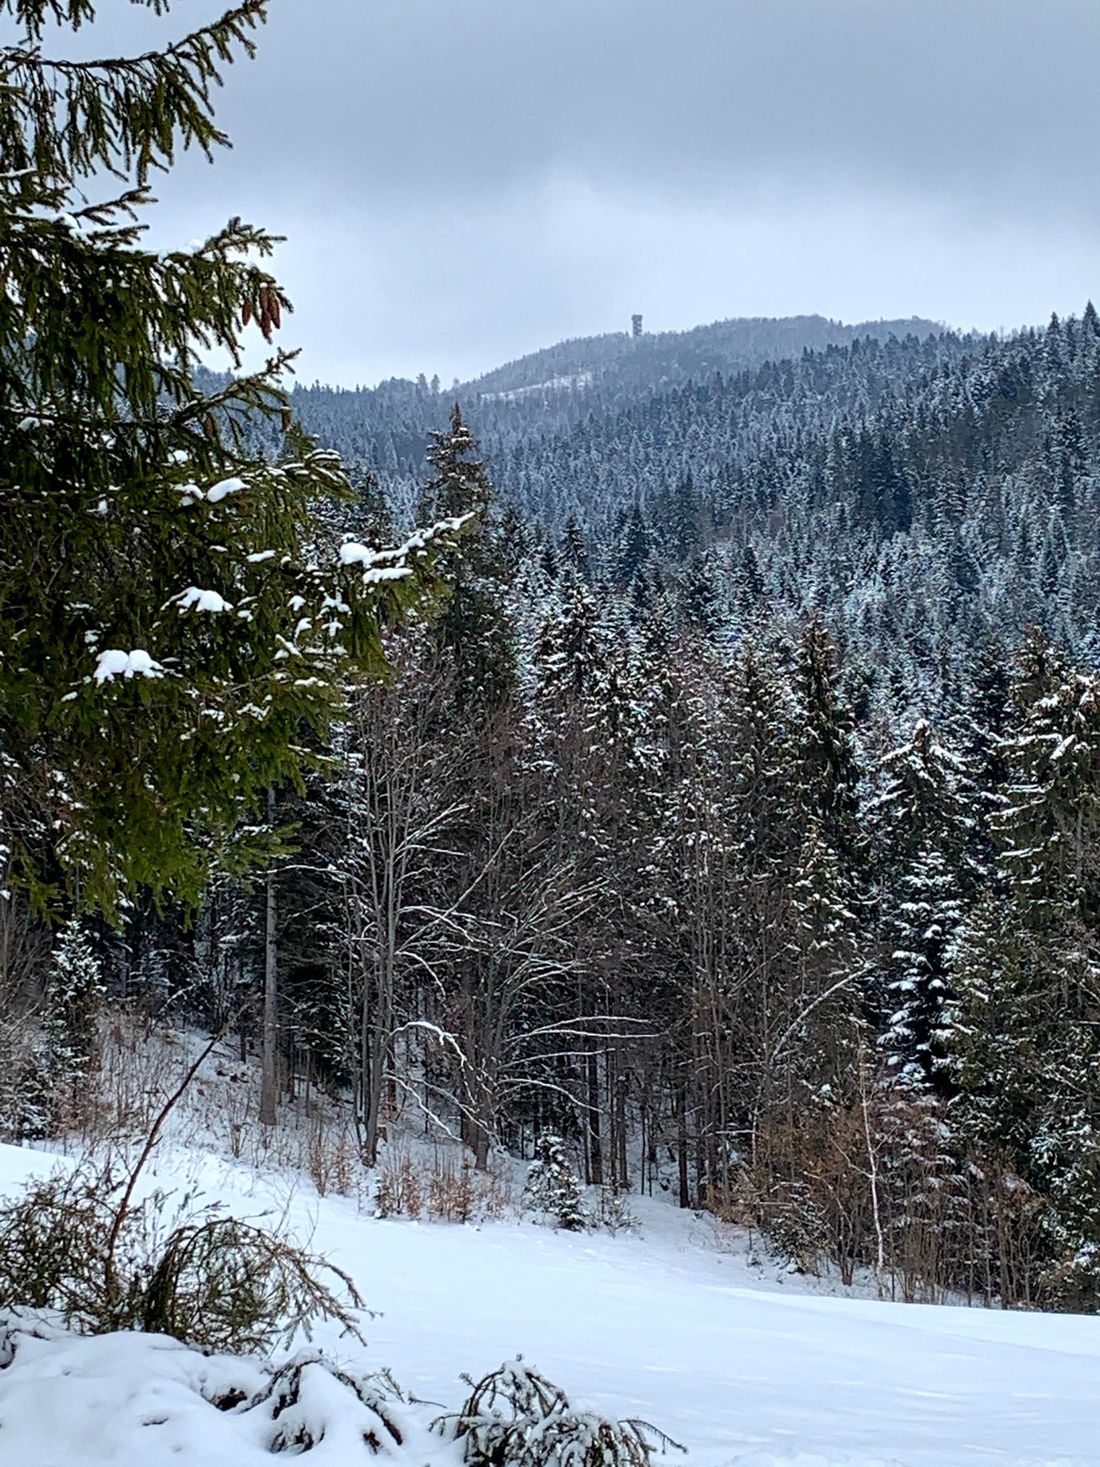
[619,1165]
[375,1084]
[682,1146]
[595,1151]
[872,1166]
[270,1036]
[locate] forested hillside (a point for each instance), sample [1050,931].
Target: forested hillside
[927,495]
[631,363]
[736,818]
[554,390]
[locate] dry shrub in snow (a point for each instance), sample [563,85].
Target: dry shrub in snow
[451,1192]
[458,1193]
[398,1192]
[331,1159]
[613,1214]
[446,1189]
[82,1247]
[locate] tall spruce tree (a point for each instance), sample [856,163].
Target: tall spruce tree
[171,614]
[922,916]
[473,629]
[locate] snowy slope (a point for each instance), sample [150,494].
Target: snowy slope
[665,1327]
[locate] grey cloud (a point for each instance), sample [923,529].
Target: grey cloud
[465,179]
[995,100]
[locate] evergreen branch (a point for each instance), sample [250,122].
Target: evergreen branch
[124,114]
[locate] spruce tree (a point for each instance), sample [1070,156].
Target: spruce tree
[73,989]
[818,1047]
[1049,826]
[923,914]
[553,1187]
[574,549]
[983,721]
[172,613]
[473,629]
[1023,1059]
[920,801]
[827,755]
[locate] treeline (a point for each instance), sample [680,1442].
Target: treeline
[697,898]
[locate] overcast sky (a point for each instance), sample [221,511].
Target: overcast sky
[462,181]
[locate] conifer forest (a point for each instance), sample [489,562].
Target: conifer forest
[738,817]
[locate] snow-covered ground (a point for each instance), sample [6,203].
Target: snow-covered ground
[741,1369]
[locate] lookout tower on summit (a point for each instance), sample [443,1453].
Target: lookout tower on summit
[636,326]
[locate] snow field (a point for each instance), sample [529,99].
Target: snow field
[661,1326]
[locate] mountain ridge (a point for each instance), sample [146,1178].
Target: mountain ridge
[732,343]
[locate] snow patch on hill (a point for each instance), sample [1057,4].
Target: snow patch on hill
[574,382]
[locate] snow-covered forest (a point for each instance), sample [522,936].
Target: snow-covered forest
[635,813]
[740,804]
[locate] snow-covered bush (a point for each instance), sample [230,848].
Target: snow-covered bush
[553,1188]
[613,1213]
[515,1417]
[310,1399]
[79,1246]
[164,1402]
[795,1227]
[202,1407]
